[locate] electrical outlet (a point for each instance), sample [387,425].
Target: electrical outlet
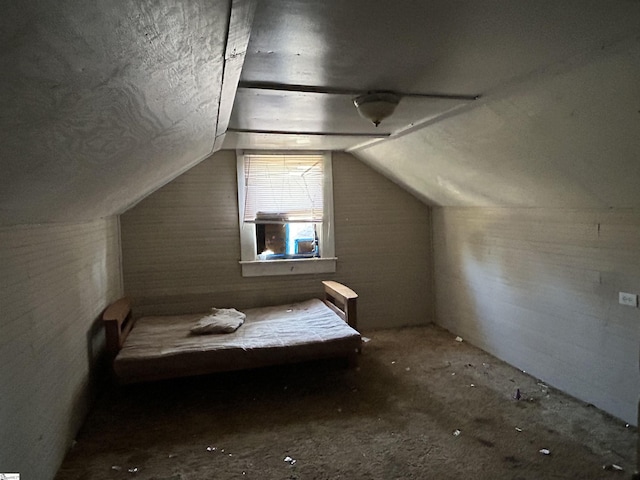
[629,299]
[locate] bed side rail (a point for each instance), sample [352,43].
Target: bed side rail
[117,324]
[342,300]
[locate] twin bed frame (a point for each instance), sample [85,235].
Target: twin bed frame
[162,347]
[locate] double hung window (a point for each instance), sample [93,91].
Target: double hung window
[286,213]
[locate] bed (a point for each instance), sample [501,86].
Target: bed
[162,347]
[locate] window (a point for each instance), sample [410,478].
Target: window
[286,213]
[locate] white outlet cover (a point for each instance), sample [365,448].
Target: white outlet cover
[630,299]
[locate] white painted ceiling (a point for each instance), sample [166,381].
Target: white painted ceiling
[104,102]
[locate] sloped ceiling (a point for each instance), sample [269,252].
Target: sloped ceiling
[566,138]
[556,124]
[104,102]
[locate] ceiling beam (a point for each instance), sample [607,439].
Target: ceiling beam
[343,91]
[324,134]
[240,21]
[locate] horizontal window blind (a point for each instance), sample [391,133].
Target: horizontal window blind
[283,188]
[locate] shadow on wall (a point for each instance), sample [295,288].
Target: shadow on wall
[96,381]
[97,359]
[453,258]
[538,289]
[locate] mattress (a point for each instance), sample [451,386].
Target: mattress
[160,347]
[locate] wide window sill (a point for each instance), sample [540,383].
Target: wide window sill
[298,266]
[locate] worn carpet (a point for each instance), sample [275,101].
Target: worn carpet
[420,405]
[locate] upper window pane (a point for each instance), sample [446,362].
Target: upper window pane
[283,188]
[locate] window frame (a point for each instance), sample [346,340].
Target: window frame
[250,264]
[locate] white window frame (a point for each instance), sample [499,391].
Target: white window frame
[252,266]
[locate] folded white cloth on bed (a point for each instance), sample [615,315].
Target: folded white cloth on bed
[221,320]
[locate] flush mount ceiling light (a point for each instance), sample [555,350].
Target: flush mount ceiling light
[376,106]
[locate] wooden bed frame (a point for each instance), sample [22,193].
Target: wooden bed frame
[118,319]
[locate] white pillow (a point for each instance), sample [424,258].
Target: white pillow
[222,320]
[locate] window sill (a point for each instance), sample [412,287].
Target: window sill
[298,266]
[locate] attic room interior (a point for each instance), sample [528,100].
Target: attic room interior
[497,202]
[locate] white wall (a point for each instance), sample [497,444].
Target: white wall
[181,247]
[55,281]
[538,288]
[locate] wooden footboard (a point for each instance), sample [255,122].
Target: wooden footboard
[117,324]
[342,300]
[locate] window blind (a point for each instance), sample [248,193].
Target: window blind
[283,188]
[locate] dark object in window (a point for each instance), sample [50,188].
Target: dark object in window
[305,245]
[271,237]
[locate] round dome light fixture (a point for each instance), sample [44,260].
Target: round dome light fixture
[376,106]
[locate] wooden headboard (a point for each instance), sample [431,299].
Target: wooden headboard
[343,301]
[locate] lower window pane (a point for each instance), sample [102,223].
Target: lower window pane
[289,240]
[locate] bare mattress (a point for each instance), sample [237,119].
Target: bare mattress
[161,347]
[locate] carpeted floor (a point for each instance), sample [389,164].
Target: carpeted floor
[419,406]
